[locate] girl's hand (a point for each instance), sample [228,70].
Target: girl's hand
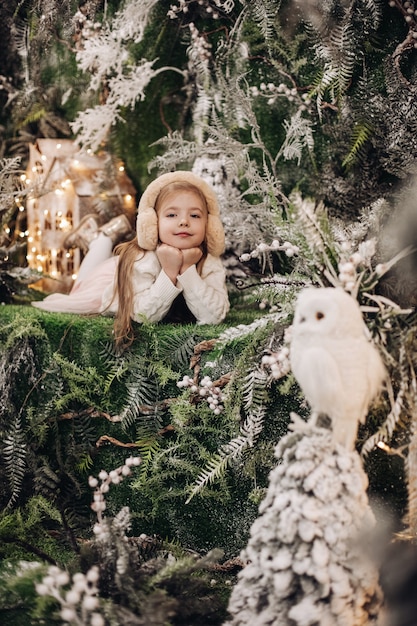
[190,257]
[170,259]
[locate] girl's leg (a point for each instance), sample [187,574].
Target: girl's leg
[96,242]
[100,249]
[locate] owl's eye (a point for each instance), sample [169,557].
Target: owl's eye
[319,315]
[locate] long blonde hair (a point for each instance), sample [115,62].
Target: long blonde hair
[128,253]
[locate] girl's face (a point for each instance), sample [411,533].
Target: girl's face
[182,220]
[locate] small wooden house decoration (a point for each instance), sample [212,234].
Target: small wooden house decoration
[69,184]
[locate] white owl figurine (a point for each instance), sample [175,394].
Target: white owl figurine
[337,367]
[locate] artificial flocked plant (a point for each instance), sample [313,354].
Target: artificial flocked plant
[306,561]
[131,579]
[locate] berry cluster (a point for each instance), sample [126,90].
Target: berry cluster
[278,362]
[201,48]
[351,266]
[212,11]
[108,478]
[272,92]
[262,248]
[207,390]
[79,603]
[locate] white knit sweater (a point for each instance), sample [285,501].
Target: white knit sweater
[206,295]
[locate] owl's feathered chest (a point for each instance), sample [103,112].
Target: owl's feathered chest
[335,374]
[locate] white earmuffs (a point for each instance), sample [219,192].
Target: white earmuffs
[147,219]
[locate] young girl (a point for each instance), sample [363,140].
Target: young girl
[171,272]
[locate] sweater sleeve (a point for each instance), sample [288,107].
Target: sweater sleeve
[154,294]
[206,295]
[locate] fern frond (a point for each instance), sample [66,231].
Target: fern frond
[216,467]
[39,508]
[373,9]
[340,57]
[254,388]
[177,347]
[264,14]
[148,448]
[142,395]
[385,432]
[85,463]
[360,136]
[228,453]
[176,150]
[115,373]
[142,390]
[298,136]
[34,115]
[14,453]
[253,425]
[314,224]
[116,365]
[47,482]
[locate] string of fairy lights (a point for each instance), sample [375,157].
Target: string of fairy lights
[54,175]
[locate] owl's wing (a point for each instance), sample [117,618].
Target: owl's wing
[374,376]
[318,375]
[377,372]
